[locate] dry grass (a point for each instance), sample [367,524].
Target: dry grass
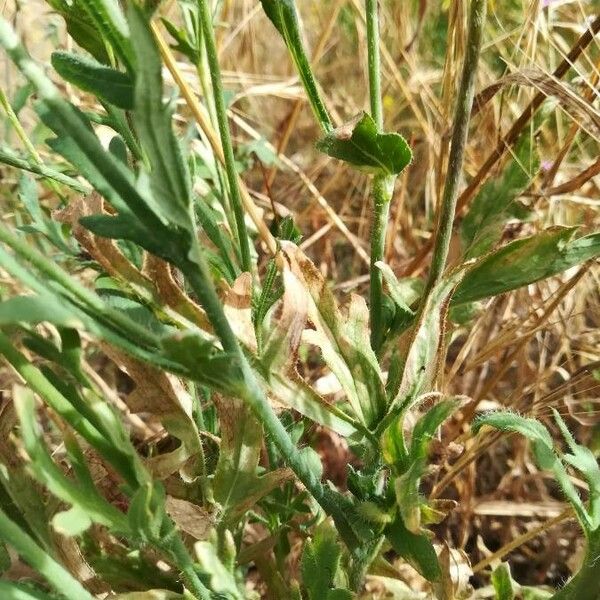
[530,350]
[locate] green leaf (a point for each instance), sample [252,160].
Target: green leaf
[147,516]
[342,334]
[426,427]
[81,28]
[503,582]
[84,497]
[412,464]
[58,577]
[408,498]
[526,261]
[204,362]
[404,292]
[222,582]
[169,177]
[108,19]
[37,309]
[108,85]
[425,348]
[5,560]
[543,448]
[495,203]
[20,591]
[151,595]
[71,522]
[241,443]
[320,561]
[184,45]
[360,144]
[583,459]
[28,194]
[417,549]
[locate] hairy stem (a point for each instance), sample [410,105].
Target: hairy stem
[374,59]
[585,584]
[221,109]
[462,117]
[252,393]
[383,185]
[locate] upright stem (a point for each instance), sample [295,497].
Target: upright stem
[383,185]
[381,195]
[585,584]
[56,575]
[252,393]
[374,59]
[462,117]
[234,189]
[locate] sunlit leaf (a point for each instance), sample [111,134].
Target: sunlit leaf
[526,261]
[360,144]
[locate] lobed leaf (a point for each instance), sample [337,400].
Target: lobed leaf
[342,338]
[360,144]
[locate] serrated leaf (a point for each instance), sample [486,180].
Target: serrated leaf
[360,144]
[106,84]
[320,561]
[526,261]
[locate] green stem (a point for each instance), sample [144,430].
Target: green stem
[383,187]
[8,157]
[184,562]
[35,557]
[252,393]
[374,59]
[54,273]
[93,434]
[462,117]
[232,177]
[585,584]
[296,47]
